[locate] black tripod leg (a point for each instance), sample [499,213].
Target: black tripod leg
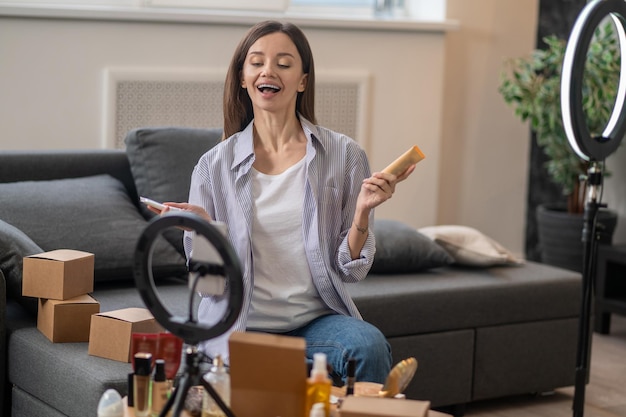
[178,399]
[222,405]
[584,335]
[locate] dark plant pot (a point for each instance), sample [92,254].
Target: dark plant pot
[560,235]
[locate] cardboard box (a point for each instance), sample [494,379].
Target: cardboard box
[111,332]
[354,406]
[267,375]
[64,321]
[58,275]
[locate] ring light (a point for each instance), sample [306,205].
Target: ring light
[580,139]
[186,328]
[594,150]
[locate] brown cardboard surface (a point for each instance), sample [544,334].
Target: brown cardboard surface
[268,375]
[64,321]
[111,332]
[354,406]
[58,275]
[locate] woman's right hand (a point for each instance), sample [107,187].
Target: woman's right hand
[192,208]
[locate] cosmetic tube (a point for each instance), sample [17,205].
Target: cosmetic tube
[141,384]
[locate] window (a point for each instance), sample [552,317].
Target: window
[418,9]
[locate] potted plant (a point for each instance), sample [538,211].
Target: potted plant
[532,86]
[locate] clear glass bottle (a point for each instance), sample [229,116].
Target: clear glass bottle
[219,379]
[318,385]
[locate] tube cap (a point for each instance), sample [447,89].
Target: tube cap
[143,364]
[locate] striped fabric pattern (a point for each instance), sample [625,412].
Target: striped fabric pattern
[336,166]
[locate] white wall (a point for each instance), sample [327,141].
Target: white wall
[484,146]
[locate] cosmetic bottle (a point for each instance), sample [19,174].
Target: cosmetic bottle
[111,404]
[141,384]
[130,399]
[160,388]
[318,385]
[219,379]
[317,410]
[350,380]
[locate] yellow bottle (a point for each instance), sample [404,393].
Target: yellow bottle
[318,385]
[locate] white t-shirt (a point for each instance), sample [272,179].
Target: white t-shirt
[284,296]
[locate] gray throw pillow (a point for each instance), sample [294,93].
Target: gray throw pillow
[402,249]
[93,214]
[14,246]
[162,160]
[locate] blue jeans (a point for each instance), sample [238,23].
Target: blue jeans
[343,337]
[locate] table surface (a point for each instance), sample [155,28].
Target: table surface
[360,388]
[130,412]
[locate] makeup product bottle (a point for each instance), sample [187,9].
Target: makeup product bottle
[111,404]
[160,388]
[141,384]
[317,410]
[219,379]
[351,378]
[130,399]
[318,385]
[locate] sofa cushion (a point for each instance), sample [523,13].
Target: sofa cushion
[456,297]
[469,246]
[92,214]
[14,246]
[162,160]
[402,249]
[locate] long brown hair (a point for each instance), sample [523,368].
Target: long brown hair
[237,104]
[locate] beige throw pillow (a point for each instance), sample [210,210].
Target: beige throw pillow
[470,247]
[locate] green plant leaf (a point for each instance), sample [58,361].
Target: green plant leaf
[532,87]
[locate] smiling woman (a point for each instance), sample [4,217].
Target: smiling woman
[298,199]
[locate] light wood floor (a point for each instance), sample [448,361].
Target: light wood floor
[605,395]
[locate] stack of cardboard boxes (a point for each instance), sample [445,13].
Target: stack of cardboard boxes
[62,280]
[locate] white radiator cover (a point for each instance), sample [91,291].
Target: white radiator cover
[192,97]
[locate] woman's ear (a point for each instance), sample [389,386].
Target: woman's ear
[303,82]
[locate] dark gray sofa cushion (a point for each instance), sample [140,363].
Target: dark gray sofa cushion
[92,214]
[402,249]
[454,298]
[162,160]
[14,246]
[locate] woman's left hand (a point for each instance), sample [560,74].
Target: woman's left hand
[380,187]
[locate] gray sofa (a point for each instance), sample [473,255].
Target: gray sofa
[478,332]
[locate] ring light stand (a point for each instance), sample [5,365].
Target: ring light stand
[188,328]
[591,149]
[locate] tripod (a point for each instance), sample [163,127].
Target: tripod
[590,242]
[187,328]
[192,377]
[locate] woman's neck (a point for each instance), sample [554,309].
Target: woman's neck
[278,143]
[275,132]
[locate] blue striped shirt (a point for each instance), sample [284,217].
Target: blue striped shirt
[336,167]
